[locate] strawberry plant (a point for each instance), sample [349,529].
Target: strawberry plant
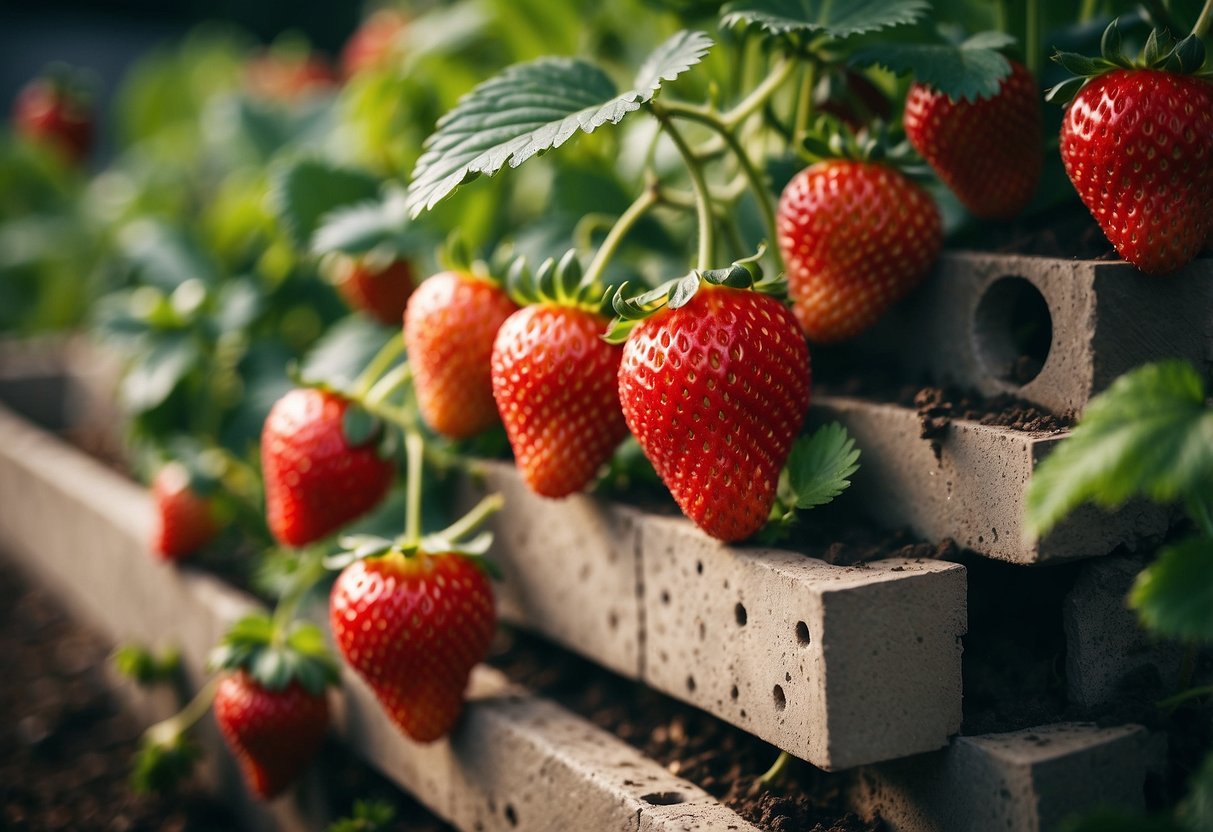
[1150,436]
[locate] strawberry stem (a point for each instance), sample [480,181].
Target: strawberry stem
[1032,37]
[753,177]
[377,367]
[484,509]
[167,731]
[777,769]
[703,205]
[804,103]
[310,571]
[627,220]
[388,384]
[1205,22]
[780,73]
[414,447]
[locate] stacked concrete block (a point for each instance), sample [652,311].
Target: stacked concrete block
[1107,651]
[1024,781]
[1097,321]
[969,485]
[836,665]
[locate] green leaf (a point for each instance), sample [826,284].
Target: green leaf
[359,426]
[382,225]
[343,351]
[305,190]
[159,767]
[156,373]
[970,71]
[368,816]
[531,108]
[820,466]
[1196,810]
[165,256]
[837,19]
[1174,594]
[1148,435]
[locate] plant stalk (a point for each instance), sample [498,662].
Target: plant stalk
[780,73]
[388,384]
[378,365]
[777,769]
[414,447]
[804,103]
[703,205]
[627,220]
[1205,22]
[310,571]
[1032,37]
[483,510]
[166,731]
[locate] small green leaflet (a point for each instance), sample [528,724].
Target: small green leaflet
[972,70]
[305,190]
[531,108]
[831,17]
[379,225]
[819,467]
[1174,594]
[1148,435]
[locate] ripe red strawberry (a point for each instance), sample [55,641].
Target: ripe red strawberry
[554,380]
[1138,146]
[856,237]
[273,733]
[47,111]
[381,293]
[988,151]
[372,43]
[316,481]
[185,520]
[449,328]
[715,392]
[414,626]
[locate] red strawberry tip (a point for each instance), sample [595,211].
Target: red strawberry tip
[274,656]
[1161,51]
[745,273]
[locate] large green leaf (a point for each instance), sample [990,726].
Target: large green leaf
[358,229]
[1174,594]
[304,190]
[531,108]
[165,256]
[1149,435]
[343,352]
[971,70]
[831,17]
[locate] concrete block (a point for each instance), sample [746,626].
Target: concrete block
[522,763]
[1094,321]
[836,665]
[570,567]
[973,489]
[1025,781]
[1106,648]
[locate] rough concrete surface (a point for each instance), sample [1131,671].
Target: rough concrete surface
[1024,781]
[973,490]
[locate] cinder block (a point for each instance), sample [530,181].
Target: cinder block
[973,490]
[1106,648]
[1025,781]
[522,763]
[570,568]
[836,665]
[966,322]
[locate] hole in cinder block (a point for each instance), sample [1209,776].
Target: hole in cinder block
[740,614]
[734,693]
[691,684]
[698,567]
[1013,330]
[781,701]
[510,815]
[802,633]
[663,798]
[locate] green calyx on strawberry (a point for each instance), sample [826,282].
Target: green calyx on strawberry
[326,461]
[413,616]
[715,383]
[1137,140]
[554,379]
[270,703]
[856,232]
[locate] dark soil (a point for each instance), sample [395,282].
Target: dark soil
[722,760]
[66,746]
